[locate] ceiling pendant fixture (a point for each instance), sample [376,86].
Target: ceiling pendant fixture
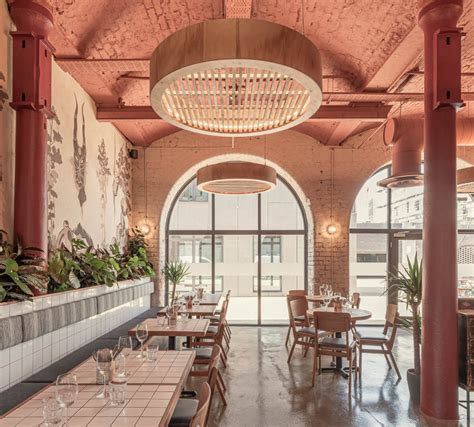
[236,77]
[236,178]
[465,180]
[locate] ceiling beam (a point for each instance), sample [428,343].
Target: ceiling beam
[342,131]
[237,8]
[325,113]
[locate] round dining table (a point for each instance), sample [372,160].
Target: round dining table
[357,314]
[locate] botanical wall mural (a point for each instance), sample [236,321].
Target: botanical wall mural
[79,159]
[103,173]
[3,92]
[122,193]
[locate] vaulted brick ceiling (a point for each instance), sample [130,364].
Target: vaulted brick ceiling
[366,46]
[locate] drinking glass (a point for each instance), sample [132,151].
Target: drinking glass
[66,392]
[103,359]
[152,352]
[125,345]
[142,335]
[52,412]
[326,301]
[118,388]
[120,366]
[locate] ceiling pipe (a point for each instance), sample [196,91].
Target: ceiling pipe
[405,136]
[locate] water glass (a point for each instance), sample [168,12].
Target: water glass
[152,352]
[120,366]
[118,389]
[103,359]
[66,392]
[142,335]
[52,412]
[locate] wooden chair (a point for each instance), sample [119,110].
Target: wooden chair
[343,347]
[211,362]
[356,300]
[193,412]
[368,337]
[293,294]
[215,319]
[303,333]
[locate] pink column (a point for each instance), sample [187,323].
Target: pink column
[439,365]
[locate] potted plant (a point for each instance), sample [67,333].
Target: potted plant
[406,284]
[175,272]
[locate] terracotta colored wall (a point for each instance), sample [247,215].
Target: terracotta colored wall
[301,157]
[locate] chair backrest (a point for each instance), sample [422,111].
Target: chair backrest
[223,312]
[213,378]
[297,292]
[391,316]
[330,321]
[356,300]
[200,417]
[297,306]
[216,352]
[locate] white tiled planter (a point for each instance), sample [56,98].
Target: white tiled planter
[21,361]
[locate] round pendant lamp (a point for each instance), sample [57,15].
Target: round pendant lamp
[237,178]
[236,77]
[465,180]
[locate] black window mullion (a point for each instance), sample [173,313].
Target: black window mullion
[213,243]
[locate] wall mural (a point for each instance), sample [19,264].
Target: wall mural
[3,93]
[121,182]
[55,159]
[103,173]
[79,159]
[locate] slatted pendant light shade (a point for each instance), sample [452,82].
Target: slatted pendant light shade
[236,77]
[465,180]
[236,178]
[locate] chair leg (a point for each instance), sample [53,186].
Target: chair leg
[287,336]
[385,350]
[291,351]
[315,365]
[394,363]
[219,376]
[224,362]
[221,393]
[360,361]
[350,375]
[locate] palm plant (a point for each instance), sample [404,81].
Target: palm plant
[175,272]
[407,285]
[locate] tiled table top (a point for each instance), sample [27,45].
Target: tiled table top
[145,405]
[170,368]
[183,328]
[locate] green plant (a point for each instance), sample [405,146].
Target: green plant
[175,272]
[136,242]
[407,286]
[22,275]
[62,269]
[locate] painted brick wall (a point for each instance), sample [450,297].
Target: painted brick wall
[173,159]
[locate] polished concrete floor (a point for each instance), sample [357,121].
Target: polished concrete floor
[263,390]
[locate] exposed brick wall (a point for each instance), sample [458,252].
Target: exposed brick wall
[171,160]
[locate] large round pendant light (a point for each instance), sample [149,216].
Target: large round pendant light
[236,77]
[465,180]
[236,178]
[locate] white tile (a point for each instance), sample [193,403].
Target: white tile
[15,371]
[5,376]
[47,356]
[37,344]
[55,351]
[63,333]
[37,361]
[16,308]
[4,310]
[27,366]
[47,302]
[37,304]
[70,344]
[55,300]
[15,352]
[4,357]
[63,298]
[27,347]
[47,339]
[55,336]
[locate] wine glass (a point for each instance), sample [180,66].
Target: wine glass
[103,359]
[66,392]
[142,335]
[326,300]
[125,345]
[120,366]
[169,313]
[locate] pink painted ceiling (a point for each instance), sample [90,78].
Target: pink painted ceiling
[366,46]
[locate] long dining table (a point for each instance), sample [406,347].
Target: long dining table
[153,391]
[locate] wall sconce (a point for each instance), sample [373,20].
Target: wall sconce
[331,229]
[144,228]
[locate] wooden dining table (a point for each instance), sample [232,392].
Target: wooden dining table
[188,328]
[152,393]
[197,310]
[357,314]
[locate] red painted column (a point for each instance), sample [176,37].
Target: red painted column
[32,102]
[439,365]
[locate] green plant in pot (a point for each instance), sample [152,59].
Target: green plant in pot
[407,286]
[175,272]
[22,275]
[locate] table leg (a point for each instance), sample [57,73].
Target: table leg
[171,343]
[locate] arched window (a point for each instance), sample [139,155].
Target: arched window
[254,245]
[386,227]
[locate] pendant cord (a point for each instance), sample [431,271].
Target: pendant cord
[145,185]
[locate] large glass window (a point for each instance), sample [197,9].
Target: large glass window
[386,227]
[253,245]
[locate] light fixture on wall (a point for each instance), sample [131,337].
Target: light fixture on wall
[236,178]
[144,227]
[236,77]
[331,229]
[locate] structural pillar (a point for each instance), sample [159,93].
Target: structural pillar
[442,61]
[32,101]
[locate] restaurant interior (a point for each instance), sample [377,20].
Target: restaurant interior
[236,213]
